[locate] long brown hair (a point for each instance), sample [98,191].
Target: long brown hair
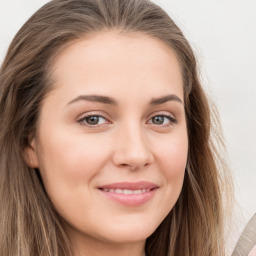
[29,224]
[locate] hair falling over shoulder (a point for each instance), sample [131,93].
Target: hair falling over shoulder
[29,224]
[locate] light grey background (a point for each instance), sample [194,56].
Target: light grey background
[223,34]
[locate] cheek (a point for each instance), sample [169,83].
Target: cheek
[174,156]
[68,165]
[173,160]
[67,162]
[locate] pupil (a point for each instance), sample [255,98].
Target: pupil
[158,120]
[93,120]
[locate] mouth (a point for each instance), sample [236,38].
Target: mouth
[129,193]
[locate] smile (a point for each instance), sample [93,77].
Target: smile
[129,194]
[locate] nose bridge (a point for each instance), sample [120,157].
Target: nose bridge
[132,149]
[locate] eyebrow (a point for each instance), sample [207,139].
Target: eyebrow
[112,101]
[164,99]
[95,98]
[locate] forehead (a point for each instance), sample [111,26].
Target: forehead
[116,60]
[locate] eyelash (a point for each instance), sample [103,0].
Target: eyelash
[171,119]
[83,121]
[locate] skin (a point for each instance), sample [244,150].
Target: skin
[131,141]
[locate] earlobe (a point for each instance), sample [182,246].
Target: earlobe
[30,155]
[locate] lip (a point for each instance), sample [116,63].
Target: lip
[139,192]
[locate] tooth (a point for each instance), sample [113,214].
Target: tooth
[127,192]
[119,191]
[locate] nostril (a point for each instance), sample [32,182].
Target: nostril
[129,166]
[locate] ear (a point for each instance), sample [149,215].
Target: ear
[30,154]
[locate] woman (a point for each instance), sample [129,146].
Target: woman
[106,137]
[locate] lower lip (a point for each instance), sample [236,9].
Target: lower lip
[130,199]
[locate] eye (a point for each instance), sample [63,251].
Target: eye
[93,120]
[164,120]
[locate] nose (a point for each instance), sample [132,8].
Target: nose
[132,149]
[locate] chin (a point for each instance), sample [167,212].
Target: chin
[130,233]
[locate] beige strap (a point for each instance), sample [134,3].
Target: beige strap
[247,241]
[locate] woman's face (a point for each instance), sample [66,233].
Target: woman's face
[112,143]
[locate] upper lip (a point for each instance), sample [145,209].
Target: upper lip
[130,185]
